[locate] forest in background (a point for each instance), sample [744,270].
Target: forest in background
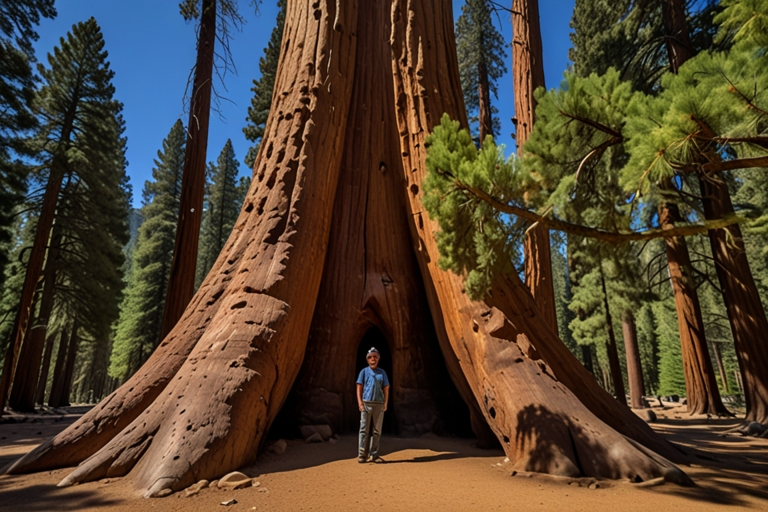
[99,303]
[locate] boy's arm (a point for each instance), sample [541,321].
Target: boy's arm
[360,404]
[386,397]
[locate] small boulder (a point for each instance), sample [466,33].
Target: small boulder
[594,486]
[196,488]
[646,414]
[314,438]
[234,480]
[307,431]
[324,431]
[278,447]
[333,440]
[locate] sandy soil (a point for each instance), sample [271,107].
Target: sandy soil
[425,473]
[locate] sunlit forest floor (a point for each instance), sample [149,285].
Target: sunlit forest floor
[730,472]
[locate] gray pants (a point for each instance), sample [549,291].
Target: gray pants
[371,419]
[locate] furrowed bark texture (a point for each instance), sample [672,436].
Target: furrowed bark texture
[181,279]
[371,278]
[528,403]
[634,370]
[700,386]
[212,389]
[528,73]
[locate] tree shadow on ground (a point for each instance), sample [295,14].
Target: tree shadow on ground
[44,497]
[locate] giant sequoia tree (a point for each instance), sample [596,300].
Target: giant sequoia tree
[360,86]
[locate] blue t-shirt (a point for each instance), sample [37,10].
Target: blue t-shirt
[374,382]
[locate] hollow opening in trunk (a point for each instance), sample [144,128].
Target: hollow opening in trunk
[373,337]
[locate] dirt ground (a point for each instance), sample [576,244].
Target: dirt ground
[424,473]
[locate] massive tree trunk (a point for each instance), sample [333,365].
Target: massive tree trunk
[28,368]
[700,386]
[634,369]
[241,342]
[528,73]
[181,280]
[611,349]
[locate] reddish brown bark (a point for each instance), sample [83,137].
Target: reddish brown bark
[57,385]
[69,368]
[701,389]
[44,369]
[742,300]
[250,320]
[28,368]
[181,279]
[617,376]
[528,73]
[634,368]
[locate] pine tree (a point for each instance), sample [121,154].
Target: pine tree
[138,328]
[80,151]
[17,32]
[262,88]
[480,48]
[223,206]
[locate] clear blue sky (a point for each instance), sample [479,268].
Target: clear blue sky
[152,49]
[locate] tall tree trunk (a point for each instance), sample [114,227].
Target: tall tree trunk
[484,101]
[57,386]
[181,281]
[69,368]
[249,323]
[721,367]
[742,300]
[28,368]
[634,368]
[528,73]
[44,369]
[613,353]
[586,355]
[746,315]
[37,254]
[701,389]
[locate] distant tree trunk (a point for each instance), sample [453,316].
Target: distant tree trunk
[69,368]
[613,352]
[528,73]
[181,281]
[28,368]
[634,369]
[742,300]
[44,369]
[586,355]
[720,367]
[701,389]
[57,386]
[37,254]
[484,101]
[208,395]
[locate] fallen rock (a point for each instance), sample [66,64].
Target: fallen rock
[256,483]
[278,447]
[235,480]
[228,502]
[333,440]
[196,488]
[647,415]
[314,438]
[307,431]
[594,486]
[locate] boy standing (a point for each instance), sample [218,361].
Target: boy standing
[372,398]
